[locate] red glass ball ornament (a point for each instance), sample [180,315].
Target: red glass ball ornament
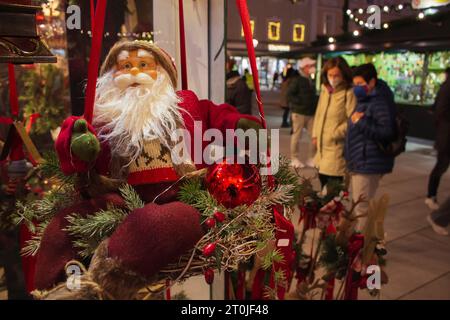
[209,250]
[209,276]
[233,185]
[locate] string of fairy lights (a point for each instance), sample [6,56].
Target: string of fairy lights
[147,35]
[358,15]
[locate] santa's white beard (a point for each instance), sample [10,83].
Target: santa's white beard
[128,117]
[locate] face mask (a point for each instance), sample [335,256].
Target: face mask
[361,91]
[334,82]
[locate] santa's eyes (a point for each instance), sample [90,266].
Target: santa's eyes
[141,65]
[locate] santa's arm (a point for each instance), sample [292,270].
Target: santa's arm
[225,116]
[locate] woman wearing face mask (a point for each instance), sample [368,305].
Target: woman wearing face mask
[335,107]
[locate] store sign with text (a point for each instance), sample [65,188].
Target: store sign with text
[422,4]
[279,47]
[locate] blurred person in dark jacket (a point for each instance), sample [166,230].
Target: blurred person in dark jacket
[442,145]
[290,73]
[371,124]
[302,99]
[238,93]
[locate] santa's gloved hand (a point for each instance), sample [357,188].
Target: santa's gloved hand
[83,144]
[248,124]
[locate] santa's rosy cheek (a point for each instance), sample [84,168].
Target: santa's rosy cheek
[153,74]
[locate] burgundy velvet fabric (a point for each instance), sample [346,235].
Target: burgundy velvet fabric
[56,246]
[154,236]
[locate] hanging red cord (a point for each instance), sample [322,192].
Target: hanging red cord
[13,98]
[245,19]
[94,61]
[92,15]
[184,80]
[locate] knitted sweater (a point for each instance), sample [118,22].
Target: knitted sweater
[152,166]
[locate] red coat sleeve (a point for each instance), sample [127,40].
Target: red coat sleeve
[222,116]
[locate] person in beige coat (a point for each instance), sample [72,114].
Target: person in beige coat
[336,104]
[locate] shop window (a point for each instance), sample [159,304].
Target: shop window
[252,26]
[273,30]
[299,32]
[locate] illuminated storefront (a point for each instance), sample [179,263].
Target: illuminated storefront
[412,62]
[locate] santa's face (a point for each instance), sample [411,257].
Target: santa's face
[136,102]
[134,68]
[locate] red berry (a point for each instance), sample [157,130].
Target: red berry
[210,223]
[209,276]
[220,217]
[209,250]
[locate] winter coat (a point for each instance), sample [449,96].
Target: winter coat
[443,118]
[330,128]
[377,126]
[239,95]
[283,94]
[301,95]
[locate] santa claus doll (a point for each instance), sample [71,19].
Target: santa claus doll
[130,140]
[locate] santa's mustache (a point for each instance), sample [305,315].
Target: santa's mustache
[125,80]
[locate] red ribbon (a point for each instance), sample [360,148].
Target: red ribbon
[240,287]
[32,120]
[94,61]
[284,236]
[308,216]
[16,151]
[168,294]
[331,229]
[245,19]
[6,120]
[13,98]
[352,280]
[184,79]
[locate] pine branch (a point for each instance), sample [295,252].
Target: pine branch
[44,209]
[89,231]
[283,194]
[274,256]
[132,199]
[285,176]
[333,257]
[32,246]
[50,168]
[191,193]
